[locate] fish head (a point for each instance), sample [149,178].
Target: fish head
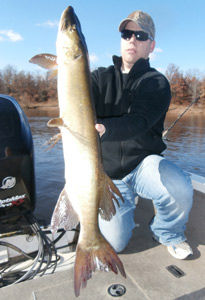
[71,42]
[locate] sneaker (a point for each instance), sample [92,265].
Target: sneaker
[180,251]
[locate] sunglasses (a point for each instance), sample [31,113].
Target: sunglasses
[139,35]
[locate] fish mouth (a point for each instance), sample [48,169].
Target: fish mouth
[69,20]
[70,23]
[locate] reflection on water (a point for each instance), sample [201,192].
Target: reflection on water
[187,142]
[50,113]
[186,148]
[49,168]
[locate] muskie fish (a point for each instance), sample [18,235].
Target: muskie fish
[88,190]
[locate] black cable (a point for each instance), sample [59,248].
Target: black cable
[45,258]
[43,255]
[6,244]
[47,246]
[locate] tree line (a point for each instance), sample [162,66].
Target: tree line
[186,88]
[30,89]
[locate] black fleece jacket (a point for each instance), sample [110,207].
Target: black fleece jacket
[133,113]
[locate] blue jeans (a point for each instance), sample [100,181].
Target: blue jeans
[160,180]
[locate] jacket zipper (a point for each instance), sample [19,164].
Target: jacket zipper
[122,155]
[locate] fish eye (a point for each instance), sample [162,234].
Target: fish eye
[73,28]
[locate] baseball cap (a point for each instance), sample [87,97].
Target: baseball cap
[141,19]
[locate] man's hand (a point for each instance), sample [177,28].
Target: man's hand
[100,128]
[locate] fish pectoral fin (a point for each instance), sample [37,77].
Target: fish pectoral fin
[56,122]
[44,60]
[107,203]
[64,214]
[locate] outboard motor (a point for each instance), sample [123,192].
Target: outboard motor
[17,202]
[17,182]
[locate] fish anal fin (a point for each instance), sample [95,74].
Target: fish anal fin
[64,214]
[107,206]
[56,122]
[87,261]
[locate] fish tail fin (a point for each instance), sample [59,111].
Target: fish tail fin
[87,261]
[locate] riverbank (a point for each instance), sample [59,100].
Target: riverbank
[53,109]
[45,109]
[179,109]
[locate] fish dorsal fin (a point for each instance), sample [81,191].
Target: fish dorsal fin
[56,122]
[107,207]
[64,214]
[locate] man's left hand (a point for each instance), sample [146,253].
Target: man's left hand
[100,128]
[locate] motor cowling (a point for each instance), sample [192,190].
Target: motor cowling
[17,180]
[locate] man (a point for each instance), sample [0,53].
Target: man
[131,101]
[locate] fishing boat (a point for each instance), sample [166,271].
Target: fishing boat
[36,264]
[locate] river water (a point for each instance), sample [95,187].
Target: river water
[185,146]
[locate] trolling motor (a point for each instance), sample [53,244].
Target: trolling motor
[17,183]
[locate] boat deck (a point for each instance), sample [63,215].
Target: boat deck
[145,262]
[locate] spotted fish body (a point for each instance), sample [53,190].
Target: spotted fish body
[88,190]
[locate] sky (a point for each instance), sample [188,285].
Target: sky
[29,27]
